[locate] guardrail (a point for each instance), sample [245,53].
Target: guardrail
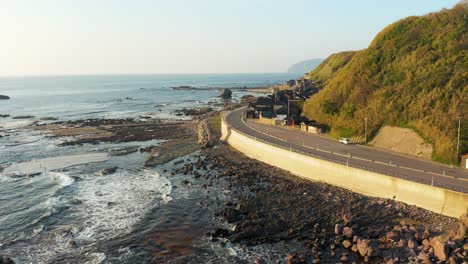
[348,162]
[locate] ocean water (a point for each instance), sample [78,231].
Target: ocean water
[78,215]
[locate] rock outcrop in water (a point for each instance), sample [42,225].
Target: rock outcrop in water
[4,97]
[226,94]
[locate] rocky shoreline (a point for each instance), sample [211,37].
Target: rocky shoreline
[269,206]
[95,131]
[333,225]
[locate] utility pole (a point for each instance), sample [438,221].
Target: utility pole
[458,138]
[365,128]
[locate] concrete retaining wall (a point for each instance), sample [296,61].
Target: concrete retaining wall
[435,199]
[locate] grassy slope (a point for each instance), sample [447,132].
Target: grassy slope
[414,74]
[330,66]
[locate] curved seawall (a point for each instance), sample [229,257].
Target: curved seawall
[435,199]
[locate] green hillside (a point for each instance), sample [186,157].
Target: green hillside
[413,74]
[330,66]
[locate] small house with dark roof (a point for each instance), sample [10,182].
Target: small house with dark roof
[263,107]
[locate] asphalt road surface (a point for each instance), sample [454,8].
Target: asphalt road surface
[363,157]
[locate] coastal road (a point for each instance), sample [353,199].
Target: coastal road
[363,157]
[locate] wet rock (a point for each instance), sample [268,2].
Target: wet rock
[186,182]
[148,149]
[232,215]
[3,116]
[48,118]
[124,151]
[4,97]
[76,201]
[71,244]
[109,171]
[6,260]
[23,117]
[226,94]
[220,232]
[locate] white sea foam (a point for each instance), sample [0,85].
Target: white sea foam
[97,258]
[16,124]
[112,205]
[61,178]
[53,163]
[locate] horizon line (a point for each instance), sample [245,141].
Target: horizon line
[137,74]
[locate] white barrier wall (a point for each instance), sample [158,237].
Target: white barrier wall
[435,199]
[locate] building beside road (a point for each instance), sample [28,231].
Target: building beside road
[464,161]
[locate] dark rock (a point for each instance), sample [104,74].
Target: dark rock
[124,151]
[147,149]
[194,111]
[4,97]
[6,260]
[76,201]
[48,118]
[23,117]
[186,182]
[232,215]
[71,244]
[226,94]
[3,116]
[220,232]
[109,171]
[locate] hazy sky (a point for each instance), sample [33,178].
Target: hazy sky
[49,37]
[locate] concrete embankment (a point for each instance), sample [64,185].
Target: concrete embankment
[435,199]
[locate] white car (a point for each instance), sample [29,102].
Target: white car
[345,141]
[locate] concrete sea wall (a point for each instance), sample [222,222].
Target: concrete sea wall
[435,199]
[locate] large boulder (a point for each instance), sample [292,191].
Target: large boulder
[4,97]
[226,94]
